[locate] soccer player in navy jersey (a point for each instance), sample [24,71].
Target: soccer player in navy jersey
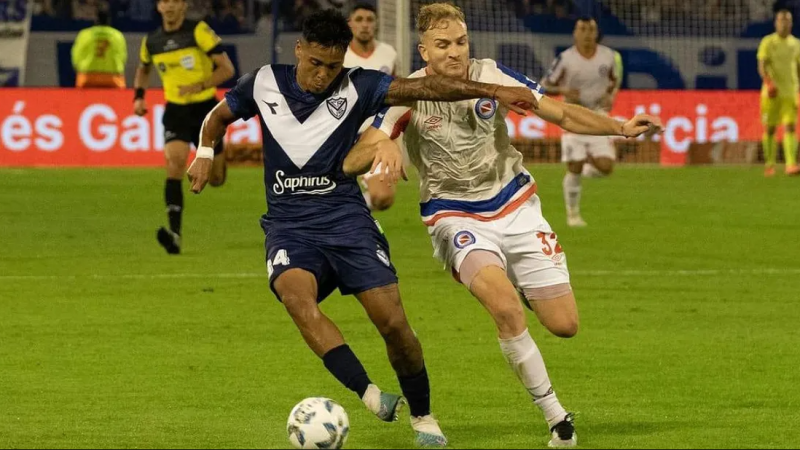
[319,232]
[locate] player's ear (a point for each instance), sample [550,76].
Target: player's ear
[298,50]
[423,51]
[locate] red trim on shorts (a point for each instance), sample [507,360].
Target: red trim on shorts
[508,209]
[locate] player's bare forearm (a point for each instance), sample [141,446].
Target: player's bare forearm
[223,72]
[577,119]
[360,158]
[142,79]
[215,124]
[437,88]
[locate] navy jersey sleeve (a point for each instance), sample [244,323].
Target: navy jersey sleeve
[240,98]
[372,87]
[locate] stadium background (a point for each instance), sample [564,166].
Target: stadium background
[686,277]
[693,65]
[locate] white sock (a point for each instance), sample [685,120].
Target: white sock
[372,398]
[526,361]
[572,192]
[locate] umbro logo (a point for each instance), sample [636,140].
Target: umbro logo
[433,122]
[337,107]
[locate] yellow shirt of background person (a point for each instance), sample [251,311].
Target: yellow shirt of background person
[783,56]
[99,55]
[778,64]
[181,58]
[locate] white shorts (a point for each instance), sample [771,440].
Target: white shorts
[577,147]
[523,240]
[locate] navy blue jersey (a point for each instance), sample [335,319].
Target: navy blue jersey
[306,138]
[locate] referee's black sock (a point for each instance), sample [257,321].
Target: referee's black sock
[173,195]
[345,366]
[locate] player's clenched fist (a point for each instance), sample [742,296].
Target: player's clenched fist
[640,124]
[139,107]
[517,99]
[199,172]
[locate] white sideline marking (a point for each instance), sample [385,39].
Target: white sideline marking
[578,273]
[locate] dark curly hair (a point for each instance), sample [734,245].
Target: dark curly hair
[327,28]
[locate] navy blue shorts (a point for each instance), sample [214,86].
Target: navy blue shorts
[352,265]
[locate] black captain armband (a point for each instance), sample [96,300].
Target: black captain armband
[138,94]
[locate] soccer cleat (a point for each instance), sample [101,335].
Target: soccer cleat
[769,172]
[170,240]
[792,170]
[386,406]
[575,220]
[428,432]
[563,433]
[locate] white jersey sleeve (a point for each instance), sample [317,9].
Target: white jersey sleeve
[394,119]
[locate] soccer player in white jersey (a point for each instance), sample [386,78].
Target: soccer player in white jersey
[479,202]
[586,74]
[367,52]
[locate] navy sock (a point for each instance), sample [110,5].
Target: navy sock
[345,366]
[417,390]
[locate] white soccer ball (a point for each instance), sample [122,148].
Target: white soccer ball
[318,422]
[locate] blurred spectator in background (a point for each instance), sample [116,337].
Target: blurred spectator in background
[99,55]
[264,25]
[141,10]
[85,9]
[43,7]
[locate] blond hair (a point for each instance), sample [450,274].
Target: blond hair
[430,15]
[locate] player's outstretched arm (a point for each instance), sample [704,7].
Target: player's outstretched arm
[579,120]
[404,91]
[211,133]
[375,148]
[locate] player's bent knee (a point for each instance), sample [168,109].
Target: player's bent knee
[556,308]
[605,167]
[382,202]
[564,327]
[216,181]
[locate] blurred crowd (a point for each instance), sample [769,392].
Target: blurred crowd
[225,16]
[245,16]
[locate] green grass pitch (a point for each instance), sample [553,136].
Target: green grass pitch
[687,283]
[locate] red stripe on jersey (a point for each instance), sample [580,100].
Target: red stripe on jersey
[401,125]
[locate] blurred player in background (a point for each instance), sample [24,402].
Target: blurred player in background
[480,204]
[99,55]
[191,64]
[585,74]
[778,57]
[367,52]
